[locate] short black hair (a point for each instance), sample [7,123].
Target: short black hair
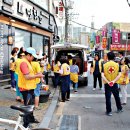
[26,53]
[121,53]
[13,52]
[111,56]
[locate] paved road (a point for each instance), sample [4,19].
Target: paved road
[89,105]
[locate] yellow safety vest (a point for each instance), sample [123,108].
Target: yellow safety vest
[66,69]
[56,68]
[124,77]
[74,77]
[93,68]
[17,64]
[111,70]
[37,69]
[24,83]
[12,66]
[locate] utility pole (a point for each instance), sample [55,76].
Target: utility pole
[66,21]
[68,6]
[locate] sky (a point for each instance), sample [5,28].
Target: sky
[104,11]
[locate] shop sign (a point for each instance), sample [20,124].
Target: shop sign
[27,11]
[104,42]
[97,39]
[115,36]
[1,49]
[119,47]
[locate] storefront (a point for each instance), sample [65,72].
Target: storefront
[24,24]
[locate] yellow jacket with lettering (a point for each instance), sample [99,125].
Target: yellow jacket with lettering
[66,69]
[24,83]
[93,68]
[37,69]
[111,70]
[124,74]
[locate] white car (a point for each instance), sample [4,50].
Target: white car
[77,52]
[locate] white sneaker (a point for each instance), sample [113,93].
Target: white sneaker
[94,89]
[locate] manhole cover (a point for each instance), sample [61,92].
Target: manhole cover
[69,122]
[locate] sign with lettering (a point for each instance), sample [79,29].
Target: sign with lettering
[115,36]
[28,12]
[119,47]
[1,48]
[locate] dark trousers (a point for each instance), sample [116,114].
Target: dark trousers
[115,91]
[13,82]
[65,87]
[95,77]
[46,77]
[28,100]
[56,79]
[28,97]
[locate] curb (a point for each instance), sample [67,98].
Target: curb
[49,113]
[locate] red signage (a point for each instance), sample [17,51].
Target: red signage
[97,39]
[119,47]
[104,42]
[115,36]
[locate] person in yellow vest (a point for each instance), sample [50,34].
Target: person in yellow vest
[111,73]
[12,69]
[124,79]
[37,70]
[74,70]
[27,82]
[56,69]
[65,80]
[27,76]
[96,71]
[17,63]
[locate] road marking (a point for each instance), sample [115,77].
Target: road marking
[90,95]
[79,122]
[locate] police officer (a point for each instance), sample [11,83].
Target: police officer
[65,80]
[111,72]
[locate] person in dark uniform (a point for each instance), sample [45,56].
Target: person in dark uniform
[96,70]
[111,73]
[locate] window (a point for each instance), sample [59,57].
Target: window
[37,43]
[22,38]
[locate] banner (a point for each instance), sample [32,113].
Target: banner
[97,39]
[120,47]
[104,42]
[115,36]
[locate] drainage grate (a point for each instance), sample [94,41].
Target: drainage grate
[69,122]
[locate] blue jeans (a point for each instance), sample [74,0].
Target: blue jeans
[18,93]
[13,82]
[115,91]
[37,90]
[75,85]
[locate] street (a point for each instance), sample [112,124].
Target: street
[89,106]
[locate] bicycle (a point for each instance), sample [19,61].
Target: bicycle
[24,110]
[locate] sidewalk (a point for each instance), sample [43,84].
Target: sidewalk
[7,98]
